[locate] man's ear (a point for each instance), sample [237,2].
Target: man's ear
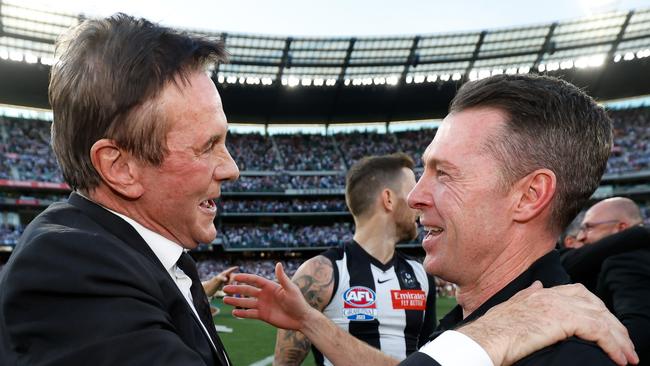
[535,193]
[118,169]
[387,199]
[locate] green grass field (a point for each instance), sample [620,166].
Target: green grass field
[252,341]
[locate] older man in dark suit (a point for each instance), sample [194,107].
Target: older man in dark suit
[614,262]
[139,132]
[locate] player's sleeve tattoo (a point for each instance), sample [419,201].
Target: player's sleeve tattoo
[315,283]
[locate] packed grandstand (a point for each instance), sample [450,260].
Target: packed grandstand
[288,203]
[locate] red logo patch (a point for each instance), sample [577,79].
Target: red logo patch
[409,299]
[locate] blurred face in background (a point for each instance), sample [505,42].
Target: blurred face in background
[599,222]
[406,217]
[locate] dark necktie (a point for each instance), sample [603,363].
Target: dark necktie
[200,300]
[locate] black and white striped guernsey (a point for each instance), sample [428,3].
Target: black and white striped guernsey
[389,306]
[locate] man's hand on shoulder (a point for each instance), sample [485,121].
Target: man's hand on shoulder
[536,318]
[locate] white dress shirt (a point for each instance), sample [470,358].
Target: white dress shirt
[168,253]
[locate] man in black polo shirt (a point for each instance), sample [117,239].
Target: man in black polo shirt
[508,169]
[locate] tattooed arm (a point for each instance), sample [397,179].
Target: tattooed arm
[316,282]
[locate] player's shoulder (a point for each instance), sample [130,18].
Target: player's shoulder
[320,266]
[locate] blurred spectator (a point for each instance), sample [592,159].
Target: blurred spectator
[286,235]
[281,182]
[293,205]
[26,151]
[631,150]
[252,151]
[356,145]
[308,152]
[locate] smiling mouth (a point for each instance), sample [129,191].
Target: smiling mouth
[209,205]
[433,231]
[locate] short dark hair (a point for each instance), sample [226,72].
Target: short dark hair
[371,174]
[550,124]
[107,74]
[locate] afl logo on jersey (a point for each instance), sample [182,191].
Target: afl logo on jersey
[359,303]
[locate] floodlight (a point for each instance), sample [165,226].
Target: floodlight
[49,61]
[285,81]
[524,69]
[347,82]
[30,59]
[582,63]
[482,74]
[541,68]
[409,79]
[617,58]
[242,80]
[596,60]
[511,71]
[221,79]
[305,81]
[392,80]
[473,75]
[432,78]
[293,81]
[15,56]
[331,82]
[567,64]
[319,82]
[418,79]
[628,56]
[231,79]
[552,66]
[497,72]
[4,54]
[445,77]
[456,76]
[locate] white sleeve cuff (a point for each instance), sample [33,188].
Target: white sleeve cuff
[453,348]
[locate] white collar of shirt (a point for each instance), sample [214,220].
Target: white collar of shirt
[166,250]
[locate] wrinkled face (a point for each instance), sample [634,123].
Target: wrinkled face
[599,222]
[179,199]
[405,217]
[459,198]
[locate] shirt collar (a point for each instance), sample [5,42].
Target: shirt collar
[547,269]
[166,250]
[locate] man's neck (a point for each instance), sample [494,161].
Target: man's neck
[376,238]
[517,257]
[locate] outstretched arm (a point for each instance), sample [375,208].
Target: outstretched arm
[215,283]
[284,306]
[316,282]
[531,320]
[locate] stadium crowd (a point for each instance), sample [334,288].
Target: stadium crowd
[286,235]
[631,150]
[309,152]
[24,146]
[293,205]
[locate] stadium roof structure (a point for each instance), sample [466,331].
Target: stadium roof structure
[272,79]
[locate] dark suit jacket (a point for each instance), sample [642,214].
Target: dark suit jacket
[624,286]
[617,269]
[583,264]
[83,288]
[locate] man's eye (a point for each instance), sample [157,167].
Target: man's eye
[440,172]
